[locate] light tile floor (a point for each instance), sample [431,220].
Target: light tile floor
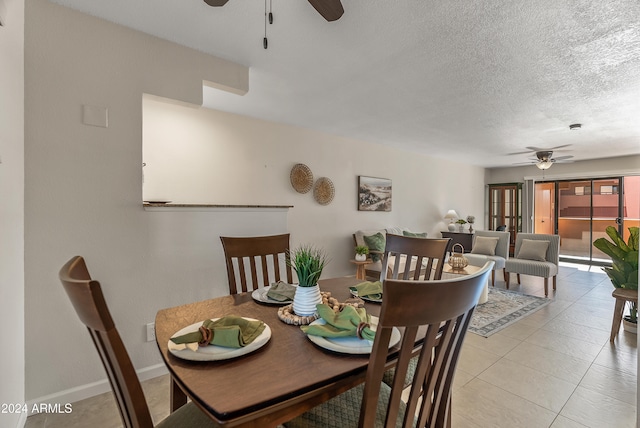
[554,368]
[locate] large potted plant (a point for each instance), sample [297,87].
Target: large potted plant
[624,270]
[308,262]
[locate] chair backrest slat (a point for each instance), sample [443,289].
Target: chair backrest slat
[89,303]
[413,258]
[268,251]
[442,308]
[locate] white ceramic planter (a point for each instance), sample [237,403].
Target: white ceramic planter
[361,257]
[629,326]
[306,299]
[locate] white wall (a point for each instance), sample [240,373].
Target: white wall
[206,156]
[84,183]
[12,388]
[84,193]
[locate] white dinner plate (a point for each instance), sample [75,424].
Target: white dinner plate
[351,345]
[216,353]
[354,293]
[260,295]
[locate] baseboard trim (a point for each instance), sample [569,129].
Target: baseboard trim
[81,392]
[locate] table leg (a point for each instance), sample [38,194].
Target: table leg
[360,273]
[177,397]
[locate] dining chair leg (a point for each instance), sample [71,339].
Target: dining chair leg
[554,282]
[505,274]
[177,397]
[507,277]
[493,278]
[518,277]
[546,287]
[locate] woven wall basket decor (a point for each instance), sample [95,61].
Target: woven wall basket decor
[301,178]
[323,191]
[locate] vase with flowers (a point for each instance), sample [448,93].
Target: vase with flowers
[471,219]
[308,262]
[461,222]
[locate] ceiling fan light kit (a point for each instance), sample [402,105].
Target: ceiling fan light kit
[544,164]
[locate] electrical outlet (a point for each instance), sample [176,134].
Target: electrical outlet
[151,332]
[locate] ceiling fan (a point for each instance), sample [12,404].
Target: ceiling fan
[331,10]
[544,158]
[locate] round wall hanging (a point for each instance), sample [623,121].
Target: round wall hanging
[301,178]
[323,191]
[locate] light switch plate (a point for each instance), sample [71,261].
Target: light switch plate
[3,13]
[95,116]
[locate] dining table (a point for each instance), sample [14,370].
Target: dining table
[271,385]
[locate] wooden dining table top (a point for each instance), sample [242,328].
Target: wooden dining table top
[271,385]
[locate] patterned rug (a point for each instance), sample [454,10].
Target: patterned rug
[503,309]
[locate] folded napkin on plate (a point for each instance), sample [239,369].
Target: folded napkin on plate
[230,331]
[281,291]
[349,321]
[372,290]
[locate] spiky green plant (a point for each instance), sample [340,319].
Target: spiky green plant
[624,257]
[308,262]
[362,249]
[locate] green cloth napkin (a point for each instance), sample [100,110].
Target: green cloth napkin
[373,290]
[281,291]
[341,324]
[230,331]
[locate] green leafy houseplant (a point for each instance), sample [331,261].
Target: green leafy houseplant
[308,262]
[462,221]
[362,249]
[624,256]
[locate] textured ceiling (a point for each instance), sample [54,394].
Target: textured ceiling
[472,81]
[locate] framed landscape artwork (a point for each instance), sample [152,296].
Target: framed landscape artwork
[374,194]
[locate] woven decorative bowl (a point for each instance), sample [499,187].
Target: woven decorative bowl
[323,191]
[458,260]
[301,178]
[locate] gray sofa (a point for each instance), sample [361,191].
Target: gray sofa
[485,251]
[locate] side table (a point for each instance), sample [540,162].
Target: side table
[463,238]
[622,295]
[449,272]
[360,273]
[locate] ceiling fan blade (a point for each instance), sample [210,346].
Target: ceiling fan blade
[558,147]
[529,150]
[216,2]
[331,10]
[561,158]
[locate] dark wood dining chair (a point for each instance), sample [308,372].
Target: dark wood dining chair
[264,251]
[88,301]
[442,308]
[414,258]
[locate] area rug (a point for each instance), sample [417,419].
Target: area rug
[502,309]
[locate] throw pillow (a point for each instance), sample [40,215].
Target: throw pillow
[414,235]
[485,245]
[533,250]
[375,242]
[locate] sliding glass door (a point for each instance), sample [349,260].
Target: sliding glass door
[585,209]
[581,210]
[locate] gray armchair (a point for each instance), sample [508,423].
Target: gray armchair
[533,257]
[485,248]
